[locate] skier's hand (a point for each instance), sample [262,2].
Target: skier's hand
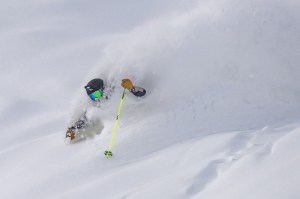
[126,83]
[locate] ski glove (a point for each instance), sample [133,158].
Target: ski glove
[126,83]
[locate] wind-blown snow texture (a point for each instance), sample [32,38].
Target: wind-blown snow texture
[220,120]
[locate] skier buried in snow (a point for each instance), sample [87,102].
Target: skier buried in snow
[97,93]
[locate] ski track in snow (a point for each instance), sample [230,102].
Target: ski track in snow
[236,145]
[227,149]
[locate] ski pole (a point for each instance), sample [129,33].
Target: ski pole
[108,153]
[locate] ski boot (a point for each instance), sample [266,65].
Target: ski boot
[73,130]
[71,133]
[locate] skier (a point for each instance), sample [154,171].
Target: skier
[97,94]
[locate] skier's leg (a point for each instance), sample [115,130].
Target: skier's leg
[79,125]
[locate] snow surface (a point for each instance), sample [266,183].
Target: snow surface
[221,118]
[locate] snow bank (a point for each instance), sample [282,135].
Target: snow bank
[234,61]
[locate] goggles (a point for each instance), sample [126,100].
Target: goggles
[96,95]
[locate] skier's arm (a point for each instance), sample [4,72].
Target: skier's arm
[135,90]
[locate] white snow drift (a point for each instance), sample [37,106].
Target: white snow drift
[221,114]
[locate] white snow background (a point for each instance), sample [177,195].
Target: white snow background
[221,118]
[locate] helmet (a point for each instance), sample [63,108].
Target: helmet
[94,85]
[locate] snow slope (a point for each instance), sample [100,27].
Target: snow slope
[221,115]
